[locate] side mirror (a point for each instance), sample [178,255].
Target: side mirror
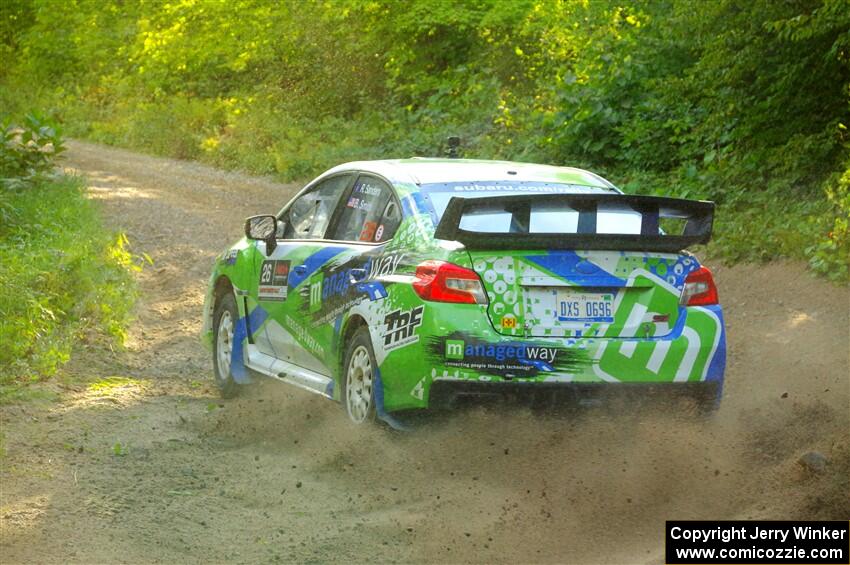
[263,228]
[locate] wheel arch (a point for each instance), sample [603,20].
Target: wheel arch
[352,324]
[218,287]
[222,286]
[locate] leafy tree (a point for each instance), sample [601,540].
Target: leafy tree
[742,102]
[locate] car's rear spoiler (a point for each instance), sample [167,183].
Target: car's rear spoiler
[698,217]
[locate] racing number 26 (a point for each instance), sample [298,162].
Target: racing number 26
[266,275]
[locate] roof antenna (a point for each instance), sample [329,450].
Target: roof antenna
[454,147]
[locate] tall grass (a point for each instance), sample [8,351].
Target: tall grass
[64,279]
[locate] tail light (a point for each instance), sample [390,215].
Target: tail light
[699,289]
[439,281]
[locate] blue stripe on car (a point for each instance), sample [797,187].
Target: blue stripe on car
[237,357]
[564,263]
[718,363]
[413,204]
[374,289]
[312,264]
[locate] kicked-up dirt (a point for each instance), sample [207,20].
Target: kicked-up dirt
[140,461]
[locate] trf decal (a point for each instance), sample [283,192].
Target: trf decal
[400,327]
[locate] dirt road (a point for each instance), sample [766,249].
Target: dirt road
[146,464]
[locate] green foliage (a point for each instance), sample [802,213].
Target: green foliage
[62,278]
[745,103]
[27,150]
[830,256]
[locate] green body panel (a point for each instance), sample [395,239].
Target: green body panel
[515,283]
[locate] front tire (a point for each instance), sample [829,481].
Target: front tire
[358,378]
[224,322]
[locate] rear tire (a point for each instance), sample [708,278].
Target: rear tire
[224,323]
[358,378]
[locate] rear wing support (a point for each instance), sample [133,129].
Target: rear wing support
[697,215]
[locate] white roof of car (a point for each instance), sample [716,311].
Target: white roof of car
[432,171]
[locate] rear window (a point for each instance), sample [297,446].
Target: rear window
[543,218]
[540,217]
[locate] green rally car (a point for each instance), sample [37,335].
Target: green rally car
[413,284]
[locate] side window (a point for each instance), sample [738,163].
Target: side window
[390,220]
[370,214]
[309,215]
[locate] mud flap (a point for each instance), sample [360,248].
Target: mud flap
[237,356]
[380,412]
[240,335]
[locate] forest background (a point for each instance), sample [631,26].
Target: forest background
[746,103]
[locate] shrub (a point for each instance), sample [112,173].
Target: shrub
[62,276]
[28,149]
[831,255]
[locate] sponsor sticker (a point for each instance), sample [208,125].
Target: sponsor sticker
[509,321]
[400,327]
[383,265]
[368,231]
[274,278]
[454,348]
[303,335]
[316,292]
[379,233]
[338,287]
[488,356]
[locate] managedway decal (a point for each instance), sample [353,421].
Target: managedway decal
[338,286]
[504,358]
[383,265]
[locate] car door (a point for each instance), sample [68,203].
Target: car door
[301,250]
[337,277]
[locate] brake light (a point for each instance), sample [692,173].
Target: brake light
[699,289]
[439,281]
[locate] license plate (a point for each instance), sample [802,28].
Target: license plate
[577,306]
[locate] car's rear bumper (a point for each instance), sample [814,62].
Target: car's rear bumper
[693,353]
[451,394]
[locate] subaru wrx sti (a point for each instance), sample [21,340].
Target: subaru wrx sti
[414,284]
